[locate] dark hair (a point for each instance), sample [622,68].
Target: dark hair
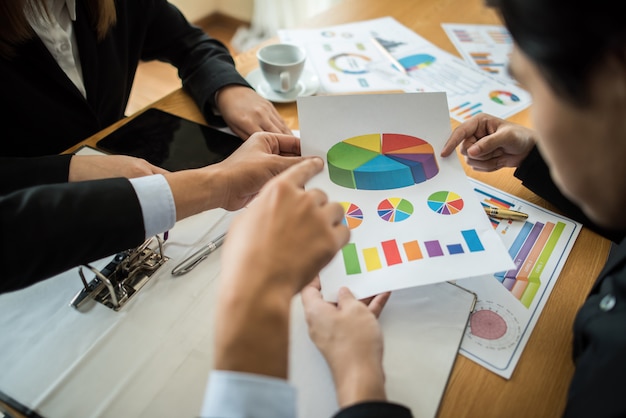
[567,42]
[15,29]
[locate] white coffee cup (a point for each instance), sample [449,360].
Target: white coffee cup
[281,66]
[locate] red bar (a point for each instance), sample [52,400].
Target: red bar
[392,255]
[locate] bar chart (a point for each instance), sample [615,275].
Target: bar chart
[391,252]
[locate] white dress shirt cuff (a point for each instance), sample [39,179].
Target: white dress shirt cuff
[157,203]
[238,395]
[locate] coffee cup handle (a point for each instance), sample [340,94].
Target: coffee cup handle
[285,82]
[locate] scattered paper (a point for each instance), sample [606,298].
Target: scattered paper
[346,60]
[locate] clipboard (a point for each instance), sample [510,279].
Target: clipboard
[422,327]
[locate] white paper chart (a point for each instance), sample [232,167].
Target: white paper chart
[509,302]
[346,60]
[413,216]
[486,47]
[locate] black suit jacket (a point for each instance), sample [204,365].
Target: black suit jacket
[48,226]
[374,410]
[599,383]
[46,114]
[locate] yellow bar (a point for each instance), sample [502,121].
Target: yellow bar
[372,260]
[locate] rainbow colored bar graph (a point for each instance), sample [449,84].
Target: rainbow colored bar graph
[391,253]
[530,252]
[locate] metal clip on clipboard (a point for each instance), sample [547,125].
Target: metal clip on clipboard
[122,278]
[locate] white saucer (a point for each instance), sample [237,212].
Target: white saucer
[307,86]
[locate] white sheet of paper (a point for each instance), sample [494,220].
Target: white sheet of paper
[422,222]
[509,303]
[346,61]
[422,329]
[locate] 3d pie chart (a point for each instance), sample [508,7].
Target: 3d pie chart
[381,161]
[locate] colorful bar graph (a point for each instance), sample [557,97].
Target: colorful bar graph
[372,260]
[412,250]
[531,259]
[391,251]
[530,251]
[525,250]
[547,251]
[392,254]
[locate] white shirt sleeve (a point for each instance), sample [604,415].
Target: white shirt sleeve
[245,395]
[157,203]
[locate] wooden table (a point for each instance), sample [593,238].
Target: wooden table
[539,384]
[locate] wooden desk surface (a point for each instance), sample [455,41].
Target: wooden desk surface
[539,384]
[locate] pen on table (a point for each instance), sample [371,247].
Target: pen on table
[390,57]
[499,213]
[194,259]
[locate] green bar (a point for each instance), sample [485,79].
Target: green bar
[351,259]
[529,293]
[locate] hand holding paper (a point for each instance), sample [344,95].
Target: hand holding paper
[413,216]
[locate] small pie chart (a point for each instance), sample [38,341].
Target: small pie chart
[505,98]
[353,215]
[395,209]
[445,203]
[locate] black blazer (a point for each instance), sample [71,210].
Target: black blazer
[44,112]
[374,409]
[599,383]
[48,226]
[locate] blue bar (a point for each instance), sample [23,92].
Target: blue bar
[472,240]
[455,249]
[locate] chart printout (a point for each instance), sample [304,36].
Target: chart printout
[413,216]
[487,47]
[346,60]
[509,302]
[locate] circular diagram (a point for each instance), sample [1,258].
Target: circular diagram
[381,161]
[395,209]
[353,215]
[488,325]
[492,326]
[445,203]
[350,63]
[503,97]
[416,62]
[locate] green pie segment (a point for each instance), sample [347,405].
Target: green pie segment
[381,162]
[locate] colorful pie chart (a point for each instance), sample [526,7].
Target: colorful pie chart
[353,215]
[502,97]
[350,63]
[381,161]
[395,209]
[445,203]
